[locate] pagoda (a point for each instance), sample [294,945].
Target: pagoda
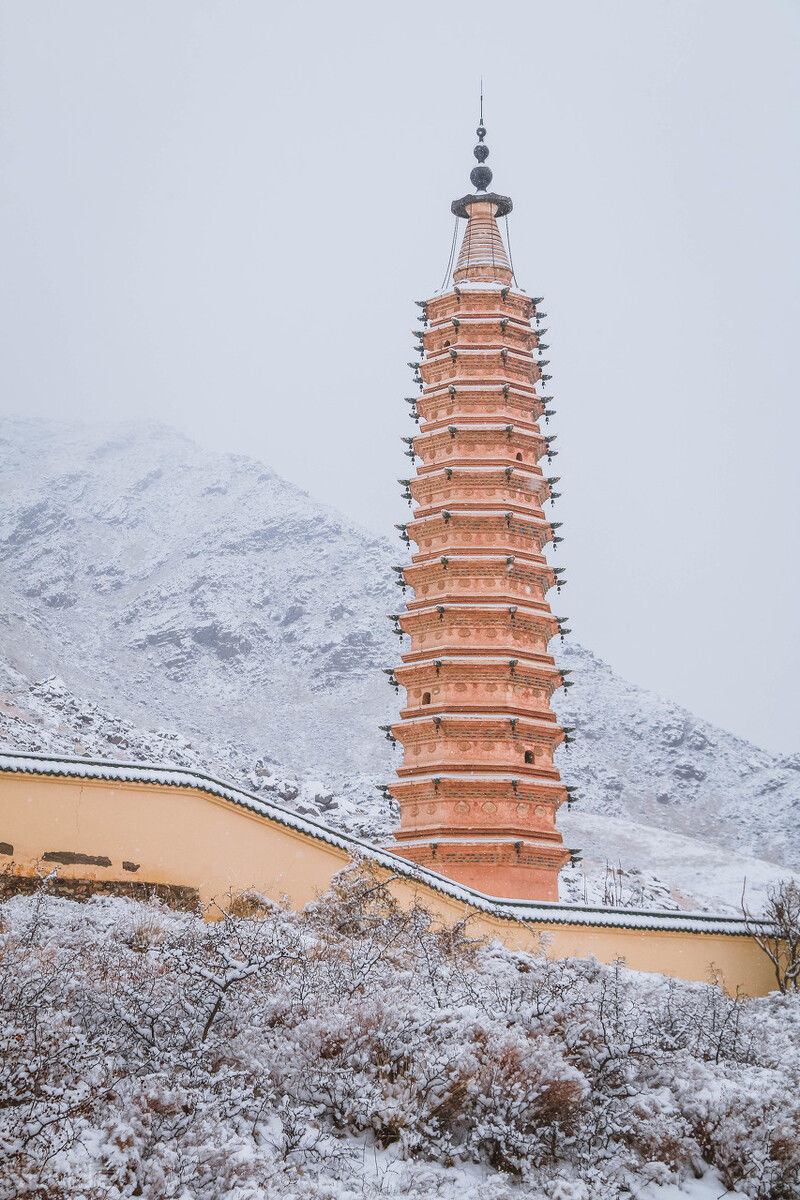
[478,790]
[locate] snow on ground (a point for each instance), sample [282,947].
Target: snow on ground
[700,873]
[709,1187]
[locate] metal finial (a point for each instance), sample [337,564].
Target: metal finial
[480,176]
[481,130]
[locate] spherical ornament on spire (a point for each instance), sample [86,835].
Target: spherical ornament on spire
[480,178]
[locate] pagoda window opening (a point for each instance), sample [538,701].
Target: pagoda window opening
[528,756]
[426,697]
[519,458]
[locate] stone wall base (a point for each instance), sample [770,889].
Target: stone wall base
[174,895]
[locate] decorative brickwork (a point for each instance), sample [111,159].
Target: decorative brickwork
[478,791]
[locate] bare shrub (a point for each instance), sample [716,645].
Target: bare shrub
[269,1053]
[250,904]
[777,932]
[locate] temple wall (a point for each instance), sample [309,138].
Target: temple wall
[183,838]
[170,835]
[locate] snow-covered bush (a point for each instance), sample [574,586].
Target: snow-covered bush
[356,1049]
[781,940]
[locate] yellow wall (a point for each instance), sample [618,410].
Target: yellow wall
[185,836]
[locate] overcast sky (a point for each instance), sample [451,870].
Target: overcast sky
[218,215]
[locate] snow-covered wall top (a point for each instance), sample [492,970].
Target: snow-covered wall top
[518,910]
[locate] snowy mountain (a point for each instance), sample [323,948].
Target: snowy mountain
[161,602]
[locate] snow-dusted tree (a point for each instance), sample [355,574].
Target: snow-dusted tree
[777,932]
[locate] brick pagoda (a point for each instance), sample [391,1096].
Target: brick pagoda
[478,791]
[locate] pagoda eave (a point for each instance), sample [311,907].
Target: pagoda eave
[503,204]
[465,663]
[473,835]
[486,723]
[510,709]
[477,652]
[450,782]
[480,385]
[538,774]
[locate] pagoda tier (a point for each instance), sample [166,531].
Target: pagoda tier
[449,807]
[497,331]
[502,531]
[494,486]
[479,741]
[483,304]
[493,364]
[464,577]
[477,789]
[477,628]
[494,444]
[471,405]
[463,684]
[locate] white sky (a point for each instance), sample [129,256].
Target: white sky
[218,215]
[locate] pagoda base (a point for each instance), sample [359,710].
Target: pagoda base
[519,870]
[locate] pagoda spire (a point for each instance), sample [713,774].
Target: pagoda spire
[478,789]
[483,255]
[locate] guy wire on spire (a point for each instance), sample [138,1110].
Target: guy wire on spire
[450,260]
[510,255]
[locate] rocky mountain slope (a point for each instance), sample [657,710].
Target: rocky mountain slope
[158,601]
